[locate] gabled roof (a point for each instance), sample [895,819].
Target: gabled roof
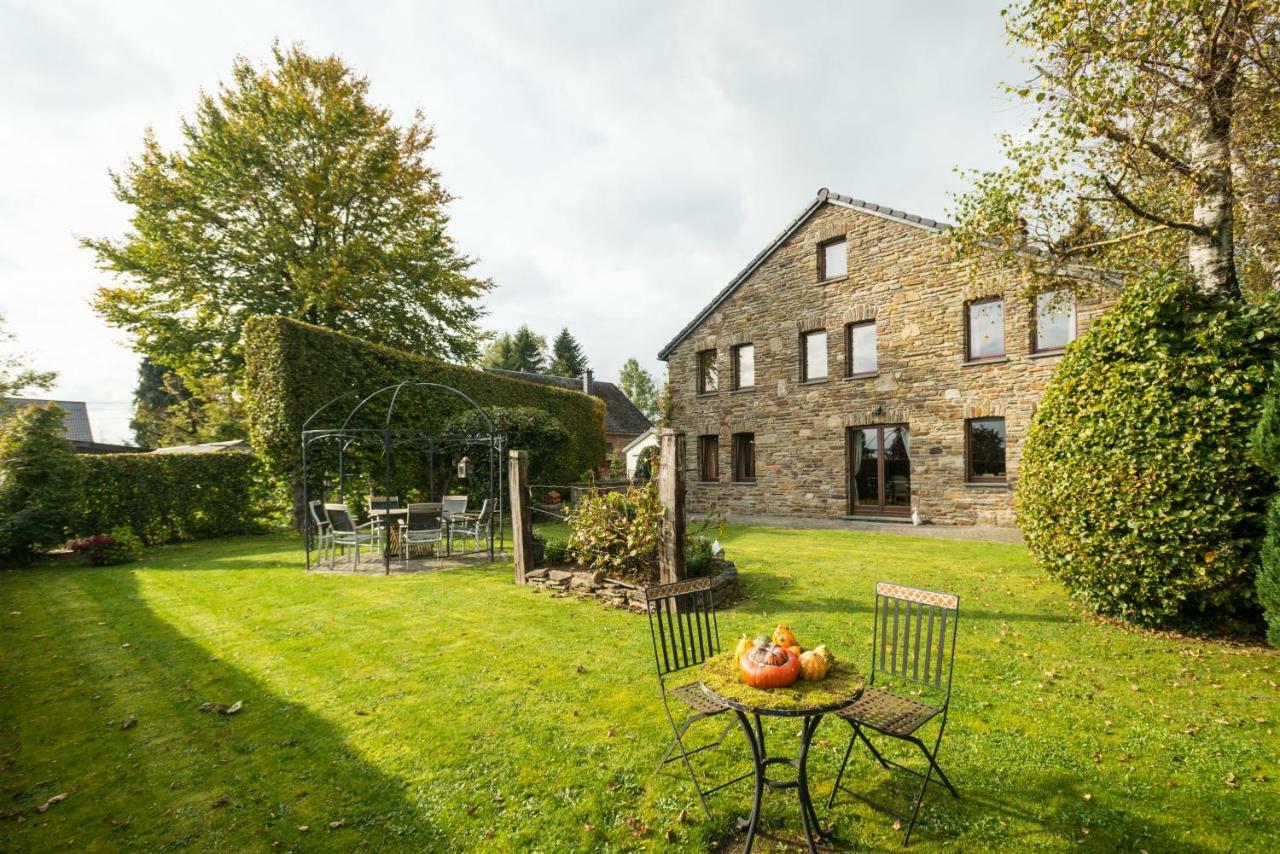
[638,439]
[77,422]
[620,415]
[824,196]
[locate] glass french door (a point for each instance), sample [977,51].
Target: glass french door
[879,468]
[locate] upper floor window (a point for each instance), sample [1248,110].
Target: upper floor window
[1055,323]
[708,378]
[833,261]
[744,366]
[984,450]
[813,355]
[744,457]
[985,329]
[860,349]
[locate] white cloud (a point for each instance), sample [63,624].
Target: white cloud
[616,163]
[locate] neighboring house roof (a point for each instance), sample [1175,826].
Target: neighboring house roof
[639,439]
[824,196]
[621,415]
[77,422]
[235,446]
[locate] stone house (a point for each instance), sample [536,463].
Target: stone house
[856,368]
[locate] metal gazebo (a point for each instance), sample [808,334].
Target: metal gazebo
[352,437]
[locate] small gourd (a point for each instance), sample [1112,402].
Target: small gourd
[796,648]
[745,642]
[782,637]
[813,666]
[769,666]
[822,650]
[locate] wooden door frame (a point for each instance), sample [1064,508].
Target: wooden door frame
[881,509]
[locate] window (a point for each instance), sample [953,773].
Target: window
[813,355]
[860,349]
[879,467]
[984,449]
[744,366]
[985,329]
[833,261]
[709,458]
[708,379]
[1055,323]
[744,457]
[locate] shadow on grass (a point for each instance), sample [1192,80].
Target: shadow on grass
[177,777]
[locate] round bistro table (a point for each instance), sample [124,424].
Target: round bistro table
[721,681]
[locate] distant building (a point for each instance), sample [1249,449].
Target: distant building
[632,452]
[76,427]
[623,422]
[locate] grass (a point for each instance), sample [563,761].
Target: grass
[454,711]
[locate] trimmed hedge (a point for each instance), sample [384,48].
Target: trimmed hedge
[1265,445]
[293,368]
[168,497]
[1136,488]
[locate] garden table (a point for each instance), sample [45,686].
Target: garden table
[721,681]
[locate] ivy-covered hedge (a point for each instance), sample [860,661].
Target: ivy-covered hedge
[1137,489]
[1265,446]
[293,368]
[168,497]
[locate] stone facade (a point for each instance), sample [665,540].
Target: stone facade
[904,276]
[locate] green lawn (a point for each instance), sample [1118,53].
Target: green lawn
[455,711]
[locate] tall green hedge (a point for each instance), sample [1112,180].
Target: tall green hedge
[168,497]
[1265,446]
[293,368]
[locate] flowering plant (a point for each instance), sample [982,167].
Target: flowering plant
[120,546]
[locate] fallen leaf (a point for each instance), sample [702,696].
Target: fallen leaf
[897,824]
[361,712]
[671,835]
[128,723]
[220,802]
[683,817]
[1088,797]
[1231,782]
[497,799]
[124,646]
[471,810]
[232,709]
[56,799]
[581,669]
[302,828]
[334,825]
[588,827]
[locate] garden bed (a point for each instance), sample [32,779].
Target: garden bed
[564,580]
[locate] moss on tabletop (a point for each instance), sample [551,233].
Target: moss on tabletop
[840,687]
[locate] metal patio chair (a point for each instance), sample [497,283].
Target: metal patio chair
[682,622]
[420,526]
[347,533]
[324,528]
[914,641]
[450,504]
[473,525]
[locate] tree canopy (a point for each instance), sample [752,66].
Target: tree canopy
[567,358]
[16,374]
[292,195]
[522,350]
[1153,141]
[638,385]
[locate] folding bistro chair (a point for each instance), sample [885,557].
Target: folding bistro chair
[682,622]
[915,641]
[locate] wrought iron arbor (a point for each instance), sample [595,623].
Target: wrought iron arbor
[351,448]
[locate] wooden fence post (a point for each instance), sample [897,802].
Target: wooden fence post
[521,516]
[671,494]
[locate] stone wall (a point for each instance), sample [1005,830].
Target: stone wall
[907,279]
[563,581]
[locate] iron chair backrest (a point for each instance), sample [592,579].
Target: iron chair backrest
[384,502]
[914,635]
[451,504]
[340,518]
[682,621]
[318,515]
[423,517]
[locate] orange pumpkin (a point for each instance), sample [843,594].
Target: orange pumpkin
[782,637]
[770,666]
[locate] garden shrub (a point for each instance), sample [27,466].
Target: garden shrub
[1136,487]
[618,532]
[168,497]
[293,368]
[120,545]
[697,555]
[523,428]
[1265,446]
[647,464]
[557,552]
[39,482]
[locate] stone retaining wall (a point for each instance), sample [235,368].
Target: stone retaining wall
[564,581]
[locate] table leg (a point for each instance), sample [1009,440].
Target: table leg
[757,756]
[808,817]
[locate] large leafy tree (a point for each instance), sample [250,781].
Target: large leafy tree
[291,194]
[567,358]
[638,385]
[522,350]
[1154,141]
[16,374]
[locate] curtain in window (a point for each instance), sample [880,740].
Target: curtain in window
[857,450]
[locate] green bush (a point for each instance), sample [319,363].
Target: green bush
[168,497]
[120,545]
[697,555]
[1136,488]
[523,428]
[558,552]
[1265,446]
[39,482]
[619,532]
[293,368]
[647,464]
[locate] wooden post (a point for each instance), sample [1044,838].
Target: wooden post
[671,494]
[521,517]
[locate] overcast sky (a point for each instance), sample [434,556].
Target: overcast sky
[616,163]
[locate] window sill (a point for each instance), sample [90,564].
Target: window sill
[746,389]
[706,394]
[866,376]
[743,482]
[833,280]
[708,482]
[1046,354]
[980,484]
[822,381]
[994,360]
